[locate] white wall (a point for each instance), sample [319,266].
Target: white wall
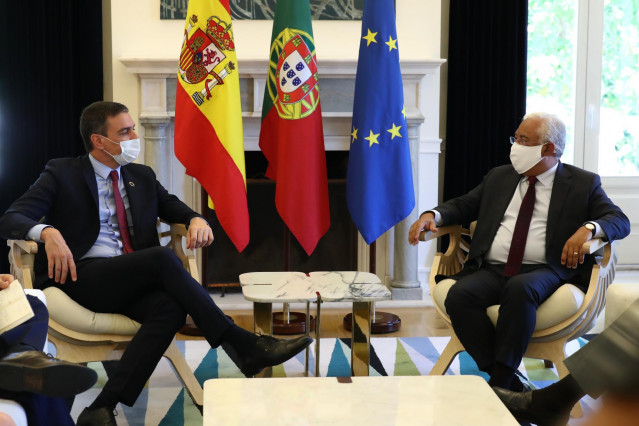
[133,29]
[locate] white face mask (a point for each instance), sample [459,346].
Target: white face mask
[524,157]
[130,151]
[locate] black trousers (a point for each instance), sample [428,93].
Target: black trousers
[518,297]
[31,335]
[152,287]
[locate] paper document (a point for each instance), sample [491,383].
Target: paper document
[14,307]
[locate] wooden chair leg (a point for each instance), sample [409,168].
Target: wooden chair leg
[185,374]
[451,350]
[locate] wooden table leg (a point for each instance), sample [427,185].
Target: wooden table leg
[360,343]
[263,323]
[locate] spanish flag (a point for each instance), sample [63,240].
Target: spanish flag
[291,135]
[208,115]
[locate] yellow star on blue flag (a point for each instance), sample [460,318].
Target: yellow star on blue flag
[379,181]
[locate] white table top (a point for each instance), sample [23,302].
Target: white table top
[269,287]
[334,286]
[397,400]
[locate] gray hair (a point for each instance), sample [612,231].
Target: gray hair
[552,129]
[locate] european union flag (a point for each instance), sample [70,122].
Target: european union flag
[379,187]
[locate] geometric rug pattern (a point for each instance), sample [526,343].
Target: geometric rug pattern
[165,402]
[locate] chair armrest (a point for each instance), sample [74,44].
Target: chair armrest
[592,246]
[30,247]
[21,258]
[441,231]
[176,232]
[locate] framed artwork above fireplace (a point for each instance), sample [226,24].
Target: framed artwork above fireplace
[265,9]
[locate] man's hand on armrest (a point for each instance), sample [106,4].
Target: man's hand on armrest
[572,254]
[427,222]
[59,256]
[199,234]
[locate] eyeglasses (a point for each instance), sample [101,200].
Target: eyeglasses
[523,142]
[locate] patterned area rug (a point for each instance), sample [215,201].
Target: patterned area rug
[165,402]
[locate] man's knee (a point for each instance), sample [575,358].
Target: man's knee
[163,255]
[456,299]
[518,292]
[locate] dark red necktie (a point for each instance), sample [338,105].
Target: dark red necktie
[121,211]
[520,235]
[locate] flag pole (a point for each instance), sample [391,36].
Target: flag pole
[287,322]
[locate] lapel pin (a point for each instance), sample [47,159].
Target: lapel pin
[131,183]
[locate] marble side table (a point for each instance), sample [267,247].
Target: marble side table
[266,288]
[360,288]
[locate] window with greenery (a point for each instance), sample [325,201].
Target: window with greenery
[619,117]
[602,124]
[552,52]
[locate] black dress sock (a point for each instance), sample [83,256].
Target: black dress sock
[240,339]
[502,376]
[105,399]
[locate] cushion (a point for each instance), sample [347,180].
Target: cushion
[561,305]
[68,313]
[619,297]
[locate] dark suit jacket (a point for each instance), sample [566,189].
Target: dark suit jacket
[577,197]
[65,196]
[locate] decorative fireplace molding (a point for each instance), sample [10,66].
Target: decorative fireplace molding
[396,260]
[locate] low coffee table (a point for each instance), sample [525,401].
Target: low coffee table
[360,288]
[371,401]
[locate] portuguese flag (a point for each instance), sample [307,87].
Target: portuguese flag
[208,116]
[291,136]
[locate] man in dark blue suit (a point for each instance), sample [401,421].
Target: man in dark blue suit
[96,216]
[547,210]
[39,383]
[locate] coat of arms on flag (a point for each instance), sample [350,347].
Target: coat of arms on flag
[202,56]
[209,137]
[293,75]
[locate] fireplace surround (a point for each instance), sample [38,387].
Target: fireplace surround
[397,263]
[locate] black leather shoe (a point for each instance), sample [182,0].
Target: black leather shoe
[96,417]
[521,383]
[270,351]
[35,372]
[520,405]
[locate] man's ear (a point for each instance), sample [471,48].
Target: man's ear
[548,149]
[97,141]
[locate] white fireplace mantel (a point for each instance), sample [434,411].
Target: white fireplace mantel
[396,261]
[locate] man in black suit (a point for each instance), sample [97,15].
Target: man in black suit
[96,216]
[39,383]
[548,210]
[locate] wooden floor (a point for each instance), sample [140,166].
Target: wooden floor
[416,322]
